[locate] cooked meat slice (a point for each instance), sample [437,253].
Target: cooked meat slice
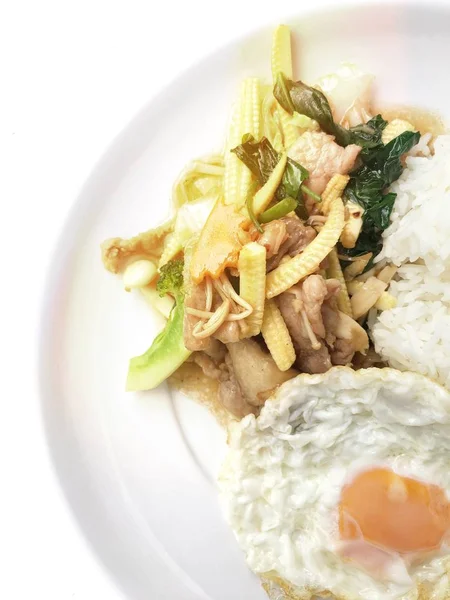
[256,372]
[209,367]
[217,351]
[343,352]
[231,395]
[349,336]
[370,359]
[274,235]
[314,291]
[309,359]
[298,237]
[229,332]
[319,153]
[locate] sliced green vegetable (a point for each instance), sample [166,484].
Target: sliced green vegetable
[296,96]
[261,158]
[167,351]
[379,169]
[164,356]
[279,210]
[310,193]
[267,192]
[251,212]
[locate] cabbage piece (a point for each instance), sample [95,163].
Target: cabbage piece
[190,220]
[349,92]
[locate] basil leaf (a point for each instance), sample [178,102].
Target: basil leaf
[381,167]
[368,135]
[294,176]
[306,100]
[260,157]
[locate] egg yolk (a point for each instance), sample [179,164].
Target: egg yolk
[398,513]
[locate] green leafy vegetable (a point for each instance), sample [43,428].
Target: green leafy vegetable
[278,210]
[261,158]
[296,96]
[379,169]
[167,351]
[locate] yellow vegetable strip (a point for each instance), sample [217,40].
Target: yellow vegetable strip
[245,119]
[335,272]
[264,196]
[276,336]
[357,266]
[252,284]
[282,62]
[387,273]
[302,265]
[353,286]
[334,189]
[363,300]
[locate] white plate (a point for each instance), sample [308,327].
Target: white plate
[138,470]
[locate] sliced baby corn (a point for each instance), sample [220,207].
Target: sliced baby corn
[285,276]
[276,336]
[334,189]
[335,272]
[394,129]
[387,273]
[357,266]
[282,62]
[281,52]
[264,196]
[353,225]
[252,284]
[363,300]
[353,286]
[246,118]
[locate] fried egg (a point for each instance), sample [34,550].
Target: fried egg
[342,486]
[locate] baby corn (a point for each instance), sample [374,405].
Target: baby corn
[302,265]
[276,336]
[252,287]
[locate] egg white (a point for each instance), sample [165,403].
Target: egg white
[282,479]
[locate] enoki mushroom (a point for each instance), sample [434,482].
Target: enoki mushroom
[232,308]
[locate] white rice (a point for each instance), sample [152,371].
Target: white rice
[416,334]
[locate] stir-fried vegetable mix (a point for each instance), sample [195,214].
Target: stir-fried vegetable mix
[276,235]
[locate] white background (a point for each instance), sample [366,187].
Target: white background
[72,74]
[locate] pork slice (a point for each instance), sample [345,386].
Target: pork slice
[319,153]
[274,234]
[349,336]
[230,393]
[255,371]
[314,291]
[298,237]
[308,359]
